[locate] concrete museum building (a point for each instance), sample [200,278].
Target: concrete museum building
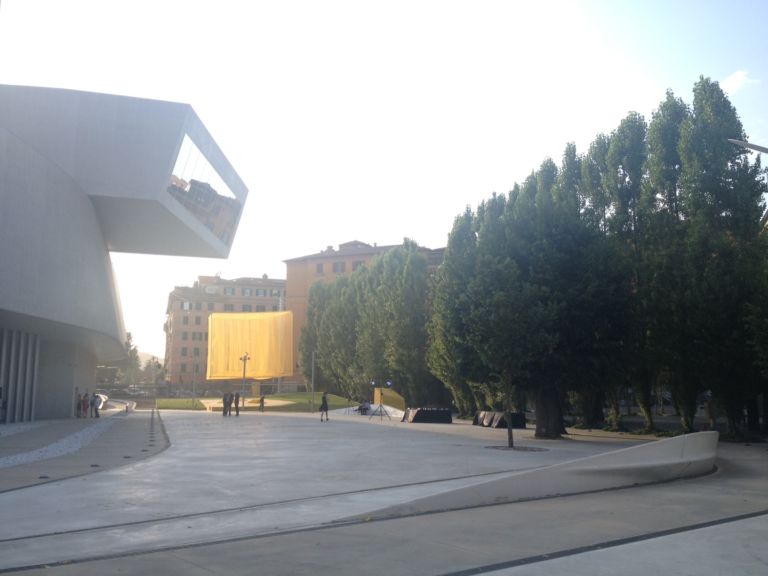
[81,175]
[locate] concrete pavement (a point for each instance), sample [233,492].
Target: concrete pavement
[274,493]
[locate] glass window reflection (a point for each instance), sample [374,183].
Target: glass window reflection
[197,186]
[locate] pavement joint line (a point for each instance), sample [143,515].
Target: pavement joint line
[602,545]
[251,507]
[475,571]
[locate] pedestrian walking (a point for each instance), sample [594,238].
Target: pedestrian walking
[224,404]
[324,407]
[237,403]
[84,404]
[261,402]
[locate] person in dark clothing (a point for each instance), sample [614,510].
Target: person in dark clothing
[324,407]
[237,404]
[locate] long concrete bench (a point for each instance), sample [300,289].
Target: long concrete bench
[659,461]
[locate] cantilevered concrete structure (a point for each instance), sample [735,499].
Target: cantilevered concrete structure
[83,174]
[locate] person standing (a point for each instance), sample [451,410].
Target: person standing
[324,407]
[261,402]
[85,403]
[237,404]
[224,404]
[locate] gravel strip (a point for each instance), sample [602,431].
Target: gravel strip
[11,429]
[66,445]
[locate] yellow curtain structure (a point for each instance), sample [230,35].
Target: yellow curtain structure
[267,338]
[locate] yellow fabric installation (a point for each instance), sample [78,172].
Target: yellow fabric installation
[267,337]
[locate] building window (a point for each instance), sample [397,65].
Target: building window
[229,291]
[229,308]
[184,351]
[198,305]
[186,305]
[260,308]
[185,335]
[197,320]
[196,352]
[185,320]
[356,264]
[247,292]
[197,368]
[319,268]
[210,306]
[247,308]
[339,267]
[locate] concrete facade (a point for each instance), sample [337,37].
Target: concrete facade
[83,174]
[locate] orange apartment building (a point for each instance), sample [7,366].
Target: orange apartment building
[326,266]
[186,325]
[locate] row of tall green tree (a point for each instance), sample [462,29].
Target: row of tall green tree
[638,264]
[371,327]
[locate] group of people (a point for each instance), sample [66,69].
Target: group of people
[230,399]
[87,405]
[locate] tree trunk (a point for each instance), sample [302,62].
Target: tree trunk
[549,416]
[591,405]
[510,435]
[614,411]
[687,414]
[644,401]
[508,416]
[753,415]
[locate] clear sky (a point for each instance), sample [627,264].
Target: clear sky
[376,121]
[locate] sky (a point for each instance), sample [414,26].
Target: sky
[378,121]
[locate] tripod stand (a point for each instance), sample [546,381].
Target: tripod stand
[380,409]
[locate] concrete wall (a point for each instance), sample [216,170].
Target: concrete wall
[65,370]
[660,461]
[82,174]
[56,267]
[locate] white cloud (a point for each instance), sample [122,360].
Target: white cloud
[736,81]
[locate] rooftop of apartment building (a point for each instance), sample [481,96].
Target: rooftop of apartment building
[357,248]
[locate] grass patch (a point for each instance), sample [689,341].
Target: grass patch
[300,402]
[179,404]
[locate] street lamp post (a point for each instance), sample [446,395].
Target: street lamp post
[244,359]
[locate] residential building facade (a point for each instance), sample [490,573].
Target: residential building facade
[186,325]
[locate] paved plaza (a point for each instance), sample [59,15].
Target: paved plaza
[196,493]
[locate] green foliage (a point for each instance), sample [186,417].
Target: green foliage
[372,326]
[179,404]
[641,262]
